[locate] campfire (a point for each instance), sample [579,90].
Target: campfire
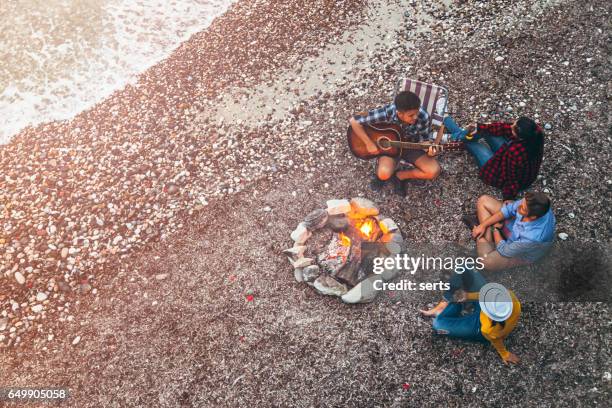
[346,238]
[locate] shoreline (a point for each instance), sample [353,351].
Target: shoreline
[125,172]
[279,165]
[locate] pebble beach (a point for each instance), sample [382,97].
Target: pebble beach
[141,251]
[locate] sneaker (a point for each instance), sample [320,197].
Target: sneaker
[470,221]
[377,184]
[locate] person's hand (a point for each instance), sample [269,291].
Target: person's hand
[511,358]
[372,148]
[478,231]
[432,151]
[506,202]
[460,296]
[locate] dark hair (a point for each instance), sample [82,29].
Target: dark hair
[406,100]
[532,136]
[538,204]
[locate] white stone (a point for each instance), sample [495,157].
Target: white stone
[571,215]
[393,248]
[76,340]
[336,207]
[297,273]
[64,253]
[3,323]
[326,285]
[310,273]
[296,252]
[19,278]
[390,273]
[37,308]
[388,225]
[301,262]
[161,276]
[563,236]
[41,296]
[301,234]
[363,292]
[363,206]
[499,58]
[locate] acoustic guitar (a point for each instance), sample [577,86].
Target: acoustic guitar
[387,137]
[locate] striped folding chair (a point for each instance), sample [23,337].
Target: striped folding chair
[434,99]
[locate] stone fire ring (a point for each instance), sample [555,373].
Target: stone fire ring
[341,216]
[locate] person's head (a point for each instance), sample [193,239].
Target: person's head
[531,135]
[408,105]
[524,128]
[495,302]
[534,205]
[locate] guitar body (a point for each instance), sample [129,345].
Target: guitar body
[387,137]
[380,134]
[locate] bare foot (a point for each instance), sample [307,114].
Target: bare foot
[436,310]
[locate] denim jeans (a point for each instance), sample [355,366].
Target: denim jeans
[481,152]
[470,281]
[450,322]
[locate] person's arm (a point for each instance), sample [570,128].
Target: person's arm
[362,135]
[494,335]
[372,116]
[494,129]
[479,230]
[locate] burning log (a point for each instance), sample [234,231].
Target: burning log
[349,271]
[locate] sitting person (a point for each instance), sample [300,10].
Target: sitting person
[512,159]
[415,122]
[512,234]
[495,312]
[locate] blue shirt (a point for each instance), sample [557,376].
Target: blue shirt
[388,113]
[528,240]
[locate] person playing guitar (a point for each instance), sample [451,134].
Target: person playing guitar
[415,123]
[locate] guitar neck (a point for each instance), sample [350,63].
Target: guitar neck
[412,145]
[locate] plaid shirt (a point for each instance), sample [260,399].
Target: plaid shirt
[388,114]
[510,168]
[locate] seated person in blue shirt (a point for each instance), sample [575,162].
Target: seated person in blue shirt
[512,233]
[407,112]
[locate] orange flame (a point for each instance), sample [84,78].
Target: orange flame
[344,240]
[367,227]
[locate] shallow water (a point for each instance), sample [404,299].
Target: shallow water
[59,57]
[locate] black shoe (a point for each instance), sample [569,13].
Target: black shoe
[399,187]
[377,184]
[470,221]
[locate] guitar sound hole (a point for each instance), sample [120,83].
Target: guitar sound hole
[384,143]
